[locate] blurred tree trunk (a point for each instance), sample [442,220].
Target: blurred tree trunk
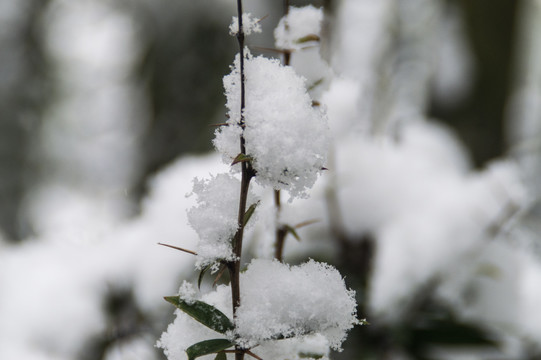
[479,119]
[22,75]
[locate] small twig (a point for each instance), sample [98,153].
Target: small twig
[179,248]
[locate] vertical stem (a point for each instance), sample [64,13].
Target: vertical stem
[247,174]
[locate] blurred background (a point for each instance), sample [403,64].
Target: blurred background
[106,109]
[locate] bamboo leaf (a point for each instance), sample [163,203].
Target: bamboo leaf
[201,275]
[293,232]
[208,347]
[206,314]
[307,38]
[308,355]
[221,356]
[241,158]
[248,214]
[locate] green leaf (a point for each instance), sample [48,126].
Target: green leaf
[241,158]
[248,214]
[363,322]
[308,355]
[221,356]
[307,38]
[201,275]
[292,231]
[206,314]
[208,347]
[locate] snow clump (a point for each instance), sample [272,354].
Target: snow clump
[298,25]
[308,305]
[249,25]
[215,217]
[282,301]
[286,137]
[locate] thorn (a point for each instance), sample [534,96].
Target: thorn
[179,248]
[306,223]
[263,18]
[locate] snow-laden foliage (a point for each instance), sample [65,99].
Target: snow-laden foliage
[283,301]
[299,28]
[278,301]
[286,137]
[215,217]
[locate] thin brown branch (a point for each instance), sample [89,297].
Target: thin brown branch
[179,248]
[247,174]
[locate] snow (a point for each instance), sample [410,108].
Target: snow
[277,299]
[296,26]
[51,303]
[215,218]
[249,25]
[185,331]
[304,24]
[286,137]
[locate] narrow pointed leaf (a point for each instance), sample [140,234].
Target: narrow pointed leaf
[293,232]
[208,347]
[241,158]
[308,38]
[201,275]
[248,214]
[206,314]
[221,356]
[308,355]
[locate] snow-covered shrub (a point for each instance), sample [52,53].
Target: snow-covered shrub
[274,134]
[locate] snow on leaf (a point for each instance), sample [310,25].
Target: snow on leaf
[206,314]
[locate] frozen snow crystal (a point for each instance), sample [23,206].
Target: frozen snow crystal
[285,135]
[249,25]
[279,300]
[215,217]
[298,27]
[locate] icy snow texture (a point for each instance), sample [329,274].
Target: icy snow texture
[298,24]
[291,301]
[215,218]
[285,135]
[310,299]
[249,24]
